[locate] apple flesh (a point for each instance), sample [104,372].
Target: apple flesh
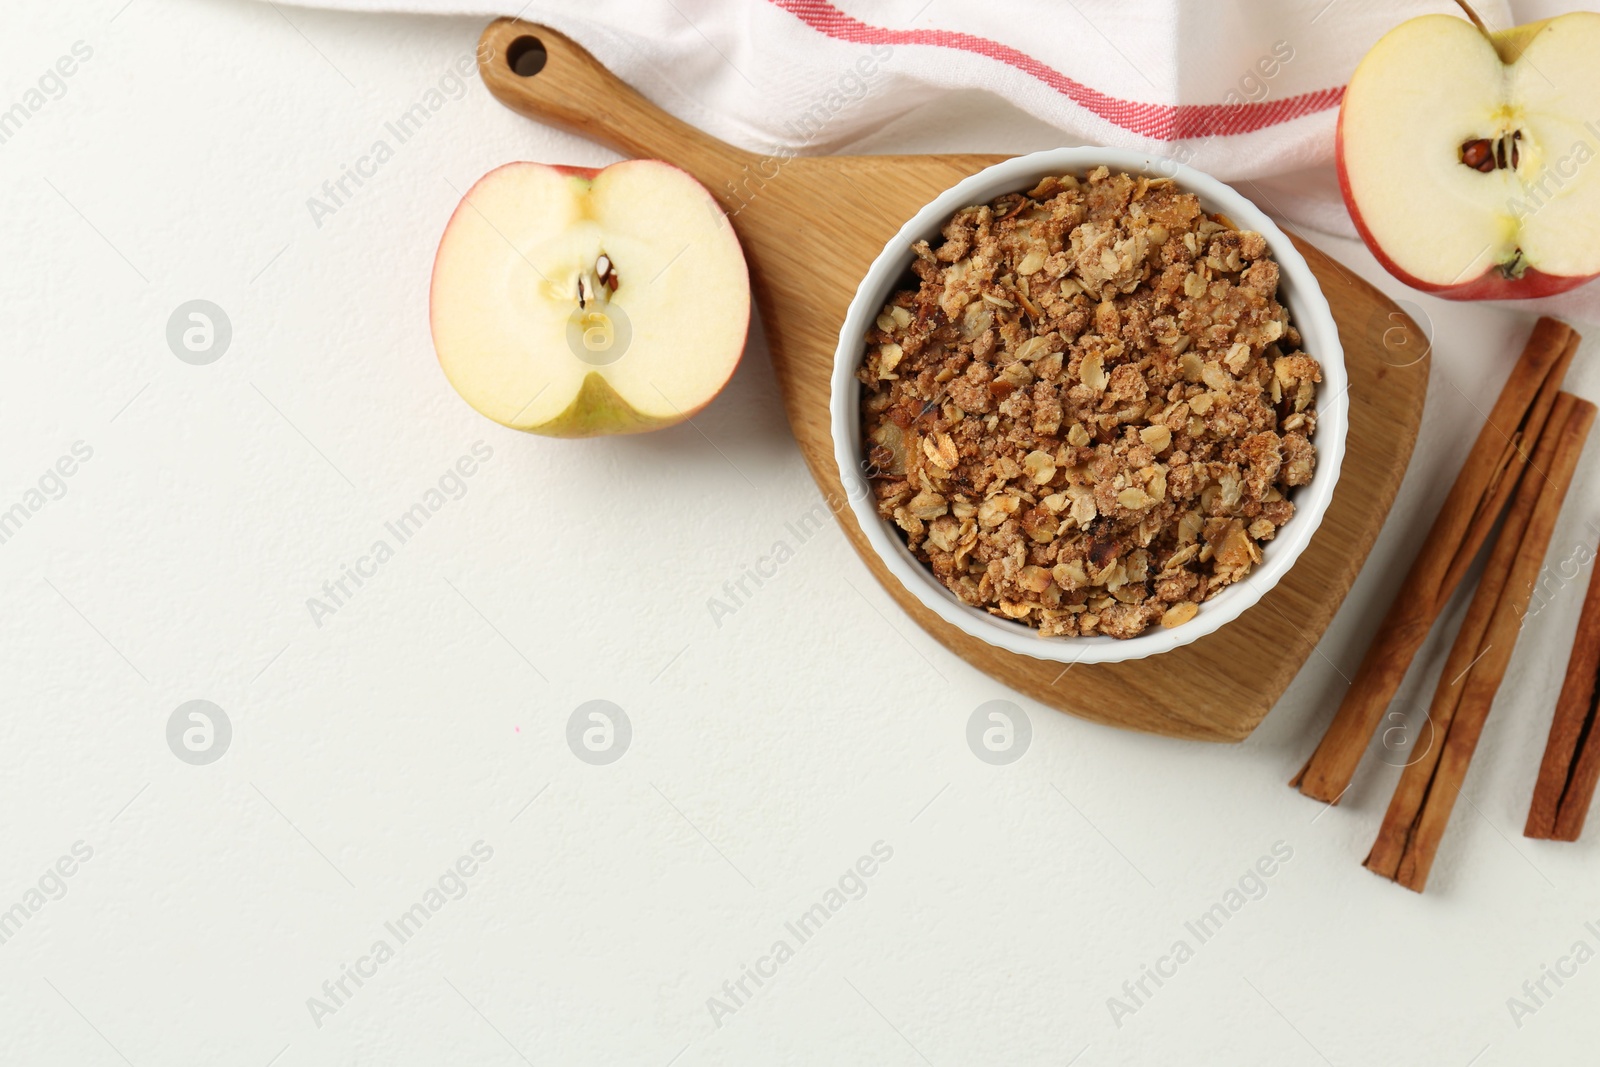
[574,302]
[1465,156]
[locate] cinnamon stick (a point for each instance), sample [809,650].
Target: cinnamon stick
[1568,427]
[1580,787]
[1513,460]
[1571,760]
[1411,792]
[1491,472]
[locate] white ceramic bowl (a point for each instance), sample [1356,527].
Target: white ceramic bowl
[1308,310]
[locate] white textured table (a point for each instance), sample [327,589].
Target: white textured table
[421,715]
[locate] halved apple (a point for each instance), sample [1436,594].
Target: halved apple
[574,302]
[1465,156]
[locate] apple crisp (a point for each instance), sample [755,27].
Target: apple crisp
[1090,413]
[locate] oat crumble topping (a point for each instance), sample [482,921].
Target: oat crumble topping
[1090,413]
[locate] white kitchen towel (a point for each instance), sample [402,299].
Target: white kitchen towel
[1247,90]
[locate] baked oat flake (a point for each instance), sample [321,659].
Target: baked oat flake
[1090,413]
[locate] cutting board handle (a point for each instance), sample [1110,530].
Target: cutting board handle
[547,76]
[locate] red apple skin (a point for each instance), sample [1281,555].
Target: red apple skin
[619,428]
[1490,285]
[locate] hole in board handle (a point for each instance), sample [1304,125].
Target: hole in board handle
[526,56]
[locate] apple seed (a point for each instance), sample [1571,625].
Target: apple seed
[599,282]
[606,271]
[1478,154]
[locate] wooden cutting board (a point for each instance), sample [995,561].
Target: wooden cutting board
[810,226]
